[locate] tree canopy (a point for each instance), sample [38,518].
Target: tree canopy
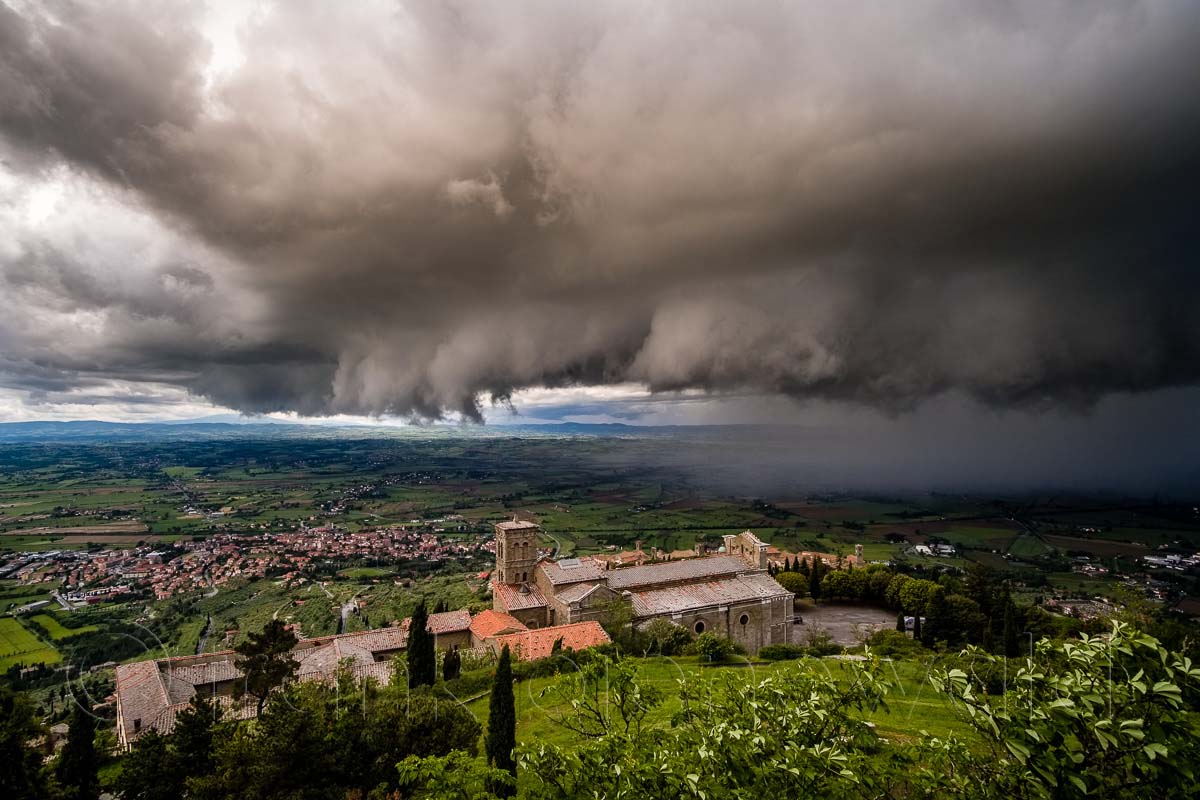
[265,661]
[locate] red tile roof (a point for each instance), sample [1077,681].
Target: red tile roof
[514,599]
[443,622]
[487,624]
[538,643]
[449,621]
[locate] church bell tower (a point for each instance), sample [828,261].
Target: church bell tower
[516,551]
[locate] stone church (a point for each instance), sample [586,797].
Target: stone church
[728,593]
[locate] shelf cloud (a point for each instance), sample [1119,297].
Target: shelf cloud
[416,209]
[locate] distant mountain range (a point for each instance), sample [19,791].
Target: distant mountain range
[233,427]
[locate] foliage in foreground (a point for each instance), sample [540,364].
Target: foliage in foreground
[1105,716]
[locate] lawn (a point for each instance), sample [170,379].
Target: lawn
[19,645]
[57,630]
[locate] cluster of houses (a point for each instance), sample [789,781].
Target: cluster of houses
[90,576]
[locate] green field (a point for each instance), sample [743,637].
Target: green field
[366,572]
[1027,545]
[913,706]
[19,645]
[57,630]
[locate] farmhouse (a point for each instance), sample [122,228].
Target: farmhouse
[728,593]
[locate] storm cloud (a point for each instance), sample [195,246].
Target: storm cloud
[416,208]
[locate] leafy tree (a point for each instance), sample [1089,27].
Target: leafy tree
[422,660]
[794,582]
[667,638]
[895,587]
[877,577]
[265,661]
[148,772]
[837,585]
[711,647]
[1097,717]
[794,733]
[916,593]
[161,766]
[456,775]
[502,719]
[22,774]
[618,623]
[192,739]
[603,698]
[316,740]
[78,764]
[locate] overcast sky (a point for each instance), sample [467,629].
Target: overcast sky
[668,212]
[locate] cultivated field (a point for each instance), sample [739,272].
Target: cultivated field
[19,645]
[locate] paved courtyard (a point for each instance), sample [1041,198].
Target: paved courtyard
[847,624]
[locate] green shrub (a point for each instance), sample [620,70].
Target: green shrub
[893,643]
[711,647]
[818,642]
[782,652]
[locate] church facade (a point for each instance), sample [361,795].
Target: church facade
[728,593]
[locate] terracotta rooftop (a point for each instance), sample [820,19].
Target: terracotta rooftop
[514,599]
[489,623]
[672,571]
[449,621]
[152,692]
[141,696]
[538,643]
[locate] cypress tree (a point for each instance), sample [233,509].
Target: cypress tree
[451,665]
[814,579]
[1011,647]
[422,661]
[936,614]
[78,764]
[917,627]
[802,565]
[900,626]
[502,722]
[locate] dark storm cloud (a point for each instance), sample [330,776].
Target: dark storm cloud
[405,208]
